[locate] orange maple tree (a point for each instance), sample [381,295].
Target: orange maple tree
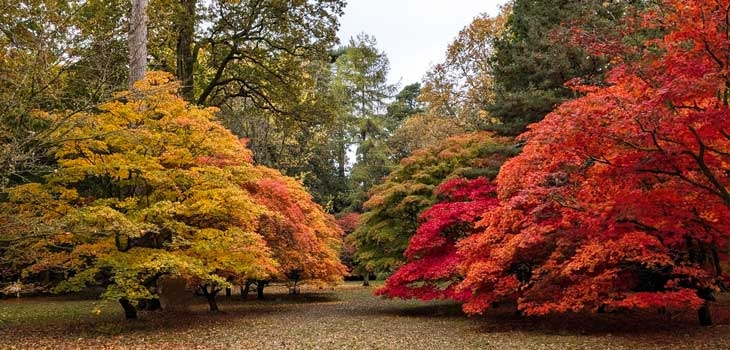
[620,198]
[302,237]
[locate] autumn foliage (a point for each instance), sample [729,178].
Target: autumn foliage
[620,198]
[152,187]
[394,207]
[303,239]
[433,267]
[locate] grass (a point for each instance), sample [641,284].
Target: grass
[348,317]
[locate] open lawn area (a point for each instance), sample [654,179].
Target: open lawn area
[348,317]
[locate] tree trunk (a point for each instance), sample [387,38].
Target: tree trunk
[228,293]
[185,51]
[153,304]
[366,279]
[704,316]
[210,297]
[137,41]
[130,312]
[212,304]
[703,313]
[260,290]
[246,290]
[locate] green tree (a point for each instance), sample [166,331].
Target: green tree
[266,65]
[252,49]
[360,82]
[534,57]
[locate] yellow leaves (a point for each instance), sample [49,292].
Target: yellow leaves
[153,186]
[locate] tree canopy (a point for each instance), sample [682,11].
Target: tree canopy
[393,208]
[619,197]
[152,186]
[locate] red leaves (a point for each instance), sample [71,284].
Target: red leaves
[433,266]
[620,197]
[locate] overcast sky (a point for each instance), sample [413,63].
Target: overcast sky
[413,33]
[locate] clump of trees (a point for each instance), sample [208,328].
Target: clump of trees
[393,209]
[618,199]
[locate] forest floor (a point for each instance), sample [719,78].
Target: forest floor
[348,317]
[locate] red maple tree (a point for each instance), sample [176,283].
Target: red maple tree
[620,198]
[432,269]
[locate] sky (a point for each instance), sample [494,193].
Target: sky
[413,34]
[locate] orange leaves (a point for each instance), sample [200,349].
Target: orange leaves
[676,300]
[301,235]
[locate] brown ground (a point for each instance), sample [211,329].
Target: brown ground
[348,317]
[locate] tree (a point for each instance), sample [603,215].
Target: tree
[533,59]
[421,131]
[393,207]
[619,199]
[303,239]
[361,82]
[349,223]
[405,104]
[433,267]
[460,88]
[56,55]
[152,187]
[250,50]
[302,145]
[137,42]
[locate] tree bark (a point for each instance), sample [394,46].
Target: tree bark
[246,290]
[137,41]
[366,279]
[228,293]
[703,313]
[210,297]
[704,316]
[212,304]
[130,312]
[260,285]
[185,48]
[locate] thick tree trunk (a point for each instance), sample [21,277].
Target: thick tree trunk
[246,290]
[130,312]
[137,41]
[185,48]
[366,279]
[260,290]
[704,316]
[210,297]
[228,293]
[212,304]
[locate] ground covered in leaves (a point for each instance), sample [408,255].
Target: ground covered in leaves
[348,317]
